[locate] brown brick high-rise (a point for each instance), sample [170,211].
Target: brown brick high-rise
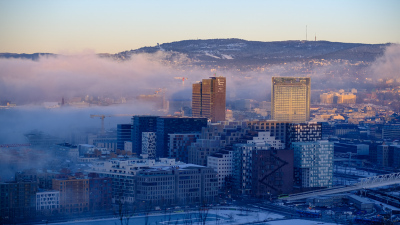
[209,99]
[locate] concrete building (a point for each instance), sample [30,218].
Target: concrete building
[303,132]
[179,145]
[272,172]
[361,203]
[243,169]
[123,171]
[169,125]
[128,146]
[74,194]
[149,144]
[222,163]
[48,201]
[290,99]
[17,201]
[100,195]
[313,164]
[183,184]
[277,129]
[214,138]
[209,99]
[359,149]
[391,132]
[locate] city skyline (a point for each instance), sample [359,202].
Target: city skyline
[111,27]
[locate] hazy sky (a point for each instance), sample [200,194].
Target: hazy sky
[114,26]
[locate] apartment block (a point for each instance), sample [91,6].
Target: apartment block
[313,164]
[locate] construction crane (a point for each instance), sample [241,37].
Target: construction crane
[181,78]
[102,117]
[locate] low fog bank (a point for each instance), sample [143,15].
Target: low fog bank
[60,122]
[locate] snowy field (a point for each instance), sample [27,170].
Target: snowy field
[224,217]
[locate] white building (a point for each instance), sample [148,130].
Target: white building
[149,144]
[222,163]
[47,200]
[123,172]
[128,146]
[267,138]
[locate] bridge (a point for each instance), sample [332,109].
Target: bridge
[364,183]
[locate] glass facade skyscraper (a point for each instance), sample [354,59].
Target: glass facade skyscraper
[290,99]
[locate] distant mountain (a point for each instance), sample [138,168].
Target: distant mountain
[242,53]
[34,56]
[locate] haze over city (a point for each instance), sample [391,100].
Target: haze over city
[211,112]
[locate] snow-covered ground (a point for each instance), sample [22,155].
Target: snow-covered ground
[225,217]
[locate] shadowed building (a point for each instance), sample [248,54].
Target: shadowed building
[141,124]
[290,99]
[209,99]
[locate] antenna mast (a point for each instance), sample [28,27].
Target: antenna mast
[306,32]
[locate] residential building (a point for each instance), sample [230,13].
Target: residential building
[290,99]
[313,164]
[183,184]
[209,99]
[222,163]
[303,132]
[391,132]
[272,172]
[123,171]
[243,165]
[100,195]
[17,201]
[74,194]
[179,145]
[169,125]
[277,129]
[48,201]
[214,138]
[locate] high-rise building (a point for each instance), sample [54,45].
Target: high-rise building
[313,164]
[141,124]
[169,125]
[209,99]
[290,99]
[123,134]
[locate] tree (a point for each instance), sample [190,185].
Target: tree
[123,213]
[203,213]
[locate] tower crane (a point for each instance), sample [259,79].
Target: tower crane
[102,117]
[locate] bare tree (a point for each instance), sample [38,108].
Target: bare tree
[123,213]
[203,213]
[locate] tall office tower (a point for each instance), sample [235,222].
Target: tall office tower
[313,164]
[124,133]
[141,124]
[290,99]
[209,99]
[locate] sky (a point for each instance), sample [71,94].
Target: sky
[101,26]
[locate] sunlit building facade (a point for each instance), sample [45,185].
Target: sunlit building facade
[290,99]
[209,99]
